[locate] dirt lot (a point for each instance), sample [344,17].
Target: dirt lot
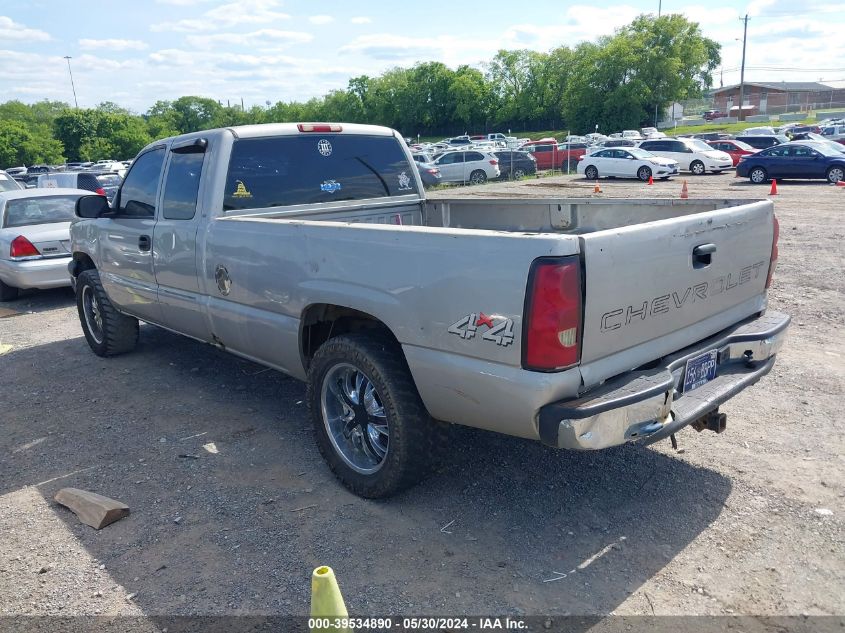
[747,522]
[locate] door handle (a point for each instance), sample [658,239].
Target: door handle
[144,242]
[702,255]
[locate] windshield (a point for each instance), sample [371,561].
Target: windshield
[41,210]
[698,144]
[309,169]
[7,183]
[825,149]
[640,153]
[744,146]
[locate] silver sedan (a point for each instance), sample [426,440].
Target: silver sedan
[35,238]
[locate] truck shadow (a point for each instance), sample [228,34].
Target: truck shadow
[179,430]
[39,301]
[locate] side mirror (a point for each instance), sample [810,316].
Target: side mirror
[92,206]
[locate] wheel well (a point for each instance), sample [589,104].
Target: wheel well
[321,322]
[82,262]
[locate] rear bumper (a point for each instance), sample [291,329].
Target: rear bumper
[36,273]
[647,406]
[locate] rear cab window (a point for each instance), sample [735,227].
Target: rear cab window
[313,168]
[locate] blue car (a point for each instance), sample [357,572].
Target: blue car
[798,159]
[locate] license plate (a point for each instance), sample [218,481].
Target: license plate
[700,370]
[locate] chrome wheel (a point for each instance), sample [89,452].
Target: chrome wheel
[644,174]
[836,174]
[591,173]
[757,176]
[697,168]
[93,314]
[478,177]
[518,173]
[354,417]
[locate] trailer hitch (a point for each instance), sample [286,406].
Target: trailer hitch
[712,421]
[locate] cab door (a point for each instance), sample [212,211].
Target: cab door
[126,239]
[175,249]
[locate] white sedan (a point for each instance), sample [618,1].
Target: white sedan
[626,162]
[35,238]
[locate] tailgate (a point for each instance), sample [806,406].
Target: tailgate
[671,282]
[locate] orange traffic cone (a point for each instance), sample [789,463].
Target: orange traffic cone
[840,183]
[597,189]
[774,190]
[684,191]
[651,180]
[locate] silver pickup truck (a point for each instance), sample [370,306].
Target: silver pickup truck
[311,249]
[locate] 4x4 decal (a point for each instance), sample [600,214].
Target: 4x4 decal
[499,329]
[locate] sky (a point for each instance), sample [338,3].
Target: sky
[139,51]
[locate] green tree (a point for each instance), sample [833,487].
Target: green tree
[19,146]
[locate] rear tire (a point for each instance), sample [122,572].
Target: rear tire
[591,173]
[107,331]
[8,293]
[369,459]
[835,174]
[697,168]
[477,177]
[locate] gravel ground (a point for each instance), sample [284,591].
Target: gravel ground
[232,506]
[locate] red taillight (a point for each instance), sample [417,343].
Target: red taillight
[773,261]
[493,161]
[552,330]
[22,247]
[319,127]
[433,172]
[100,191]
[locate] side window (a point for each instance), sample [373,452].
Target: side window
[137,196]
[474,156]
[182,186]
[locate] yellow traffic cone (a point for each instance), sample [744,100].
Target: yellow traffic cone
[326,600]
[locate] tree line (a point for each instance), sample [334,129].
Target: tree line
[617,82]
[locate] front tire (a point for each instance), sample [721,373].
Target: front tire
[107,331]
[758,176]
[644,173]
[835,174]
[369,421]
[591,173]
[518,173]
[477,177]
[7,292]
[697,168]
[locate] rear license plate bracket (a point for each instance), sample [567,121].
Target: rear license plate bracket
[700,370]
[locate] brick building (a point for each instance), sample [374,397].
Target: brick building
[781,97]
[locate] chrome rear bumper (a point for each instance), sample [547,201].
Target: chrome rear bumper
[648,405]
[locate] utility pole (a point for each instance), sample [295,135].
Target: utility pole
[742,68]
[75,102]
[659,7]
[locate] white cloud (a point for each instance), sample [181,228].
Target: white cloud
[11,30]
[320,19]
[112,44]
[228,15]
[361,19]
[265,38]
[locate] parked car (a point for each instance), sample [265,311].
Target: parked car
[14,172]
[796,159]
[37,169]
[35,238]
[834,133]
[467,166]
[422,157]
[757,131]
[802,129]
[429,174]
[7,183]
[762,141]
[733,148]
[714,114]
[710,136]
[601,323]
[627,162]
[550,154]
[459,140]
[618,142]
[692,154]
[632,135]
[652,132]
[103,184]
[812,136]
[515,163]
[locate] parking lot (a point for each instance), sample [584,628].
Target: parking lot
[232,506]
